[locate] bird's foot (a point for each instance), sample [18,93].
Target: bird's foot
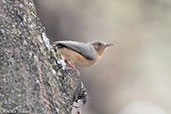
[72,67]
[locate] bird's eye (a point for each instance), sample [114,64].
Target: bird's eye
[99,44]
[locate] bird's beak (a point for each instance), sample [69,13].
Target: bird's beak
[108,45]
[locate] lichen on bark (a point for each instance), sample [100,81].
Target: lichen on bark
[33,78]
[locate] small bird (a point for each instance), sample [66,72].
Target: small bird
[81,54]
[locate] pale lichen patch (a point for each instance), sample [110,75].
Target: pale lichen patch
[62,62]
[46,40]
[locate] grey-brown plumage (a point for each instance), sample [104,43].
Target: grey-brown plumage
[84,49]
[81,54]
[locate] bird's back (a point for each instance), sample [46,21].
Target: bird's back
[84,49]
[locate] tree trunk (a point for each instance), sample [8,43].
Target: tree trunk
[33,76]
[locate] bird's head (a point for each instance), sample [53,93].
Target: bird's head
[100,46]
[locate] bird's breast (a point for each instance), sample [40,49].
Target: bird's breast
[76,59]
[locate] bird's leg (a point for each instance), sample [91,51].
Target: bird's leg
[73,67]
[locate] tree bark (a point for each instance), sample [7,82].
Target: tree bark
[33,76]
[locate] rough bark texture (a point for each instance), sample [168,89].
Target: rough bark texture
[33,78]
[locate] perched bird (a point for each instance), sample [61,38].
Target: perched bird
[81,54]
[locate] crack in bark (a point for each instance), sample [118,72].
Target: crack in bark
[42,87]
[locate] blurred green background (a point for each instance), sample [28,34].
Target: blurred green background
[134,76]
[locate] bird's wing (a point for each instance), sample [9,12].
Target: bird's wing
[84,49]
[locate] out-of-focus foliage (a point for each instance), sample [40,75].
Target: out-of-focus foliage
[134,76]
